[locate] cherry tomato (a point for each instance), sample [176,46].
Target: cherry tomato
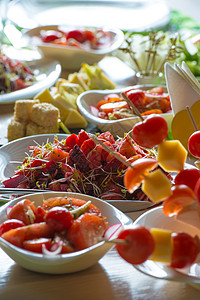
[10,224]
[139,244]
[194,144]
[136,96]
[59,218]
[151,132]
[188,177]
[185,250]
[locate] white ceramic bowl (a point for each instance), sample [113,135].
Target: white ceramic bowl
[63,263]
[116,127]
[72,58]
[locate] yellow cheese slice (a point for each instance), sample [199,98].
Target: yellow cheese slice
[163,245]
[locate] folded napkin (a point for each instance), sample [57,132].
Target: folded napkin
[183,87]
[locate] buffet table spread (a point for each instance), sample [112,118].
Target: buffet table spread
[111,278]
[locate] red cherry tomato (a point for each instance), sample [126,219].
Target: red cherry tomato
[10,224]
[194,144]
[188,177]
[139,244]
[151,132]
[59,218]
[185,250]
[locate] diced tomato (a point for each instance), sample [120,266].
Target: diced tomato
[136,96]
[107,136]
[57,155]
[19,84]
[82,136]
[87,146]
[49,36]
[71,141]
[86,231]
[127,149]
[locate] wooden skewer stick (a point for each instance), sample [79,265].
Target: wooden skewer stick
[117,156]
[192,118]
[134,108]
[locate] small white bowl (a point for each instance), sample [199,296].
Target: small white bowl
[72,58]
[63,263]
[116,127]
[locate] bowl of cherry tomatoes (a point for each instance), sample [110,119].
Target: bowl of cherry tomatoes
[110,111]
[73,46]
[58,232]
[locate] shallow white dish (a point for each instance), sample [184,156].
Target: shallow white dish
[72,58]
[63,263]
[12,155]
[156,218]
[46,72]
[116,127]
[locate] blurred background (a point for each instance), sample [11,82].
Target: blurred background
[134,15]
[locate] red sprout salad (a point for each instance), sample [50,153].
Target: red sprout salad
[78,164]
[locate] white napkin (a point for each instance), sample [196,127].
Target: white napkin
[183,87]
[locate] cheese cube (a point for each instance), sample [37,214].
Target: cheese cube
[45,114]
[23,108]
[16,130]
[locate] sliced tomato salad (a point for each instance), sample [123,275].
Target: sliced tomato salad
[114,106]
[65,225]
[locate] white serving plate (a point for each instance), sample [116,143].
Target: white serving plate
[116,127]
[63,263]
[46,72]
[71,58]
[155,218]
[13,153]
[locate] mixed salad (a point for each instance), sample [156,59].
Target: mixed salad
[78,164]
[14,75]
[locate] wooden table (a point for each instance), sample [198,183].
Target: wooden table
[110,279]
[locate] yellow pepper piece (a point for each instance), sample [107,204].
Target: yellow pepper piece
[156,186]
[163,245]
[171,155]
